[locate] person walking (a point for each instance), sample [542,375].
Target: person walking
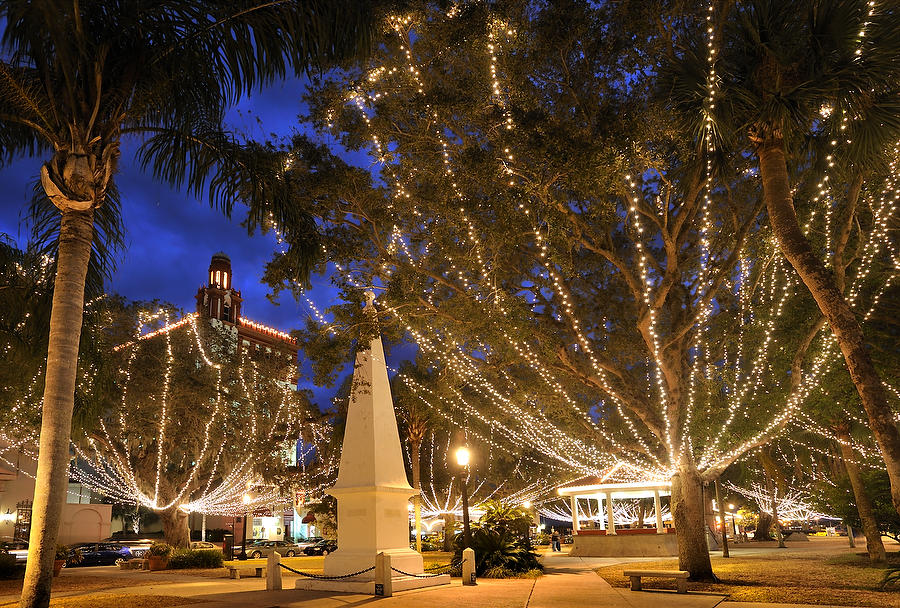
[554,541]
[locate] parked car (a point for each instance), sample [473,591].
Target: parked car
[309,542]
[18,548]
[136,544]
[265,547]
[202,544]
[98,554]
[323,547]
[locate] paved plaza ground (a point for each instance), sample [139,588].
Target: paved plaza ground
[567,582]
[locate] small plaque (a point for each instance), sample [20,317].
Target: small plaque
[472,578]
[379,589]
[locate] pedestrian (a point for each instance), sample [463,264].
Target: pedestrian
[554,541]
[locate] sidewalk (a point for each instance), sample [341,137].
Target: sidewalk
[568,582]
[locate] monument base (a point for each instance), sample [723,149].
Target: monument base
[367,587]
[343,562]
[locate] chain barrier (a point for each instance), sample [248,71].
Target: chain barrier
[326,578]
[416,575]
[447,567]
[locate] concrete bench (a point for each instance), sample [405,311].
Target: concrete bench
[680,577]
[235,572]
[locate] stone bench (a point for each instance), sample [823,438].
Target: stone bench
[680,577]
[235,572]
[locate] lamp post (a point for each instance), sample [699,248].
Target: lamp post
[462,459]
[246,500]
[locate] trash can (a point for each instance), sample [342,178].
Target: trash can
[228,546]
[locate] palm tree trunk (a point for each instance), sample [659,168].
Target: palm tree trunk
[874,544]
[823,287]
[686,504]
[51,482]
[417,499]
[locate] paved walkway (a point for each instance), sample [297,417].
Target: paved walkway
[568,582]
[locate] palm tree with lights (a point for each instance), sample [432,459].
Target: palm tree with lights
[810,84]
[77,79]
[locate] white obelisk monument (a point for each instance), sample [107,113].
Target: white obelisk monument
[372,490]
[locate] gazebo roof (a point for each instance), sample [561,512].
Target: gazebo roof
[592,486]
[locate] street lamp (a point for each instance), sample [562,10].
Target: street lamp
[246,500]
[462,459]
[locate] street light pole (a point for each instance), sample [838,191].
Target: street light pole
[462,458]
[246,500]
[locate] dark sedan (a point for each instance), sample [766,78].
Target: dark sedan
[322,548]
[97,554]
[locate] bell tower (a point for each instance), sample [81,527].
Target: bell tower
[219,299]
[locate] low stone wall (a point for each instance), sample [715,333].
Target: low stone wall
[624,545]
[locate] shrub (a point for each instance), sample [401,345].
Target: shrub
[160,549]
[195,558]
[9,568]
[501,572]
[501,544]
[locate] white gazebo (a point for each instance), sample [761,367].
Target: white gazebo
[607,540]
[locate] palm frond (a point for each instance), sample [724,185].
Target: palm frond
[212,162]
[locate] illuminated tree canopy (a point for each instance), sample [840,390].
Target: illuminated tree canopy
[591,282]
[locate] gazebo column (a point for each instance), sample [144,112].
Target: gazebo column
[575,526]
[657,504]
[599,498]
[611,529]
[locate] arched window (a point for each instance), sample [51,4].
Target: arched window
[218,278]
[225,280]
[210,277]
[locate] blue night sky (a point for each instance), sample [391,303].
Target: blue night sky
[171,235]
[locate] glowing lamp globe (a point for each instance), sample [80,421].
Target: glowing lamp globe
[462,457]
[246,499]
[526,504]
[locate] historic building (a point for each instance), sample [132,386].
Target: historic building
[219,301]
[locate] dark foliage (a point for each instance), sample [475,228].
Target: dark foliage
[195,558]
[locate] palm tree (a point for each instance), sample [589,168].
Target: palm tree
[864,507]
[416,426]
[792,75]
[78,77]
[417,421]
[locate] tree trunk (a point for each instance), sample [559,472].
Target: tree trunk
[640,513]
[823,287]
[686,504]
[874,544]
[417,499]
[773,502]
[763,525]
[449,529]
[724,531]
[51,481]
[175,527]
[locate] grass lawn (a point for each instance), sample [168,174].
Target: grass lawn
[106,600]
[793,578]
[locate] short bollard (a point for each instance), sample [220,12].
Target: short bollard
[383,574]
[273,572]
[468,567]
